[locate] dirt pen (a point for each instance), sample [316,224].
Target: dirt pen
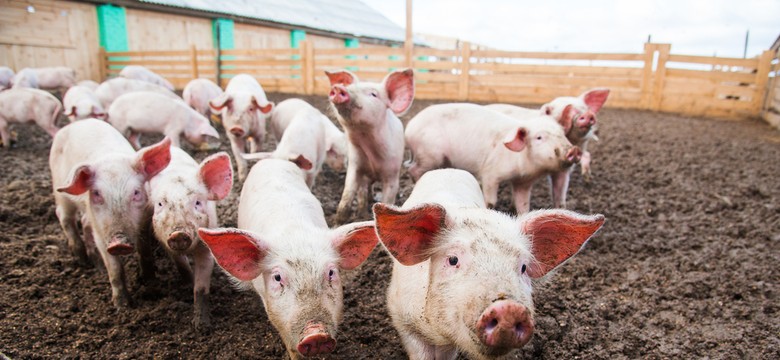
[685,267]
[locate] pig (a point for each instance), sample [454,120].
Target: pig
[369,112]
[25,78]
[58,78]
[21,105]
[81,103]
[6,77]
[111,89]
[462,274]
[184,197]
[141,112]
[500,148]
[284,250]
[95,171]
[335,140]
[244,109]
[92,85]
[138,72]
[199,92]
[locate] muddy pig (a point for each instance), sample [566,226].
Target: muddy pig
[244,109]
[80,103]
[138,72]
[500,148]
[148,112]
[184,197]
[21,105]
[335,140]
[369,112]
[285,251]
[95,171]
[462,275]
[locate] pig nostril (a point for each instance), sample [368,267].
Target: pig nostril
[491,325]
[519,329]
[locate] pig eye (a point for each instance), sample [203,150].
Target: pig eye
[159,204]
[539,137]
[278,278]
[197,203]
[374,94]
[522,269]
[452,260]
[331,273]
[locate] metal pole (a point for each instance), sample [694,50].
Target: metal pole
[747,37]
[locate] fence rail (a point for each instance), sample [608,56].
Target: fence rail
[653,80]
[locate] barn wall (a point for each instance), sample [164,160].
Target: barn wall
[57,33]
[147,30]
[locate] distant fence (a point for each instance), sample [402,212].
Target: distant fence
[730,88]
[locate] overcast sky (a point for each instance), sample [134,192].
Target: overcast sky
[693,27]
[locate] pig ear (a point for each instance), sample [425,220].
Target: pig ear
[566,118]
[81,181]
[238,252]
[341,77]
[208,130]
[216,172]
[265,109]
[556,235]
[218,103]
[354,243]
[515,140]
[153,159]
[69,112]
[547,109]
[302,162]
[400,90]
[595,99]
[409,234]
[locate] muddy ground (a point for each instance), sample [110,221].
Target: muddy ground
[686,266]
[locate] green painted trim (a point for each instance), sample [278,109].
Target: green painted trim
[296,36]
[112,27]
[225,33]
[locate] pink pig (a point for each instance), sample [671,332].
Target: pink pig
[199,92]
[95,171]
[111,89]
[499,148]
[184,197]
[286,252]
[462,275]
[80,103]
[6,77]
[148,112]
[21,105]
[369,112]
[138,72]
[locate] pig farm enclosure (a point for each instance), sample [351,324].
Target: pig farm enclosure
[685,267]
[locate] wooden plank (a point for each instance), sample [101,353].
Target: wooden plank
[382,51]
[157,53]
[429,52]
[709,60]
[660,74]
[762,77]
[439,65]
[712,75]
[342,63]
[559,69]
[262,62]
[647,75]
[557,56]
[465,62]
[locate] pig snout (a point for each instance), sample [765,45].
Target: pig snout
[120,245]
[316,341]
[179,241]
[237,131]
[505,325]
[338,94]
[573,156]
[586,120]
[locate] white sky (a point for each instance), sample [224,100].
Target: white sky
[693,27]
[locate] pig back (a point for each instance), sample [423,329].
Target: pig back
[450,188]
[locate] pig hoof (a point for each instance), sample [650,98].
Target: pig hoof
[201,323]
[121,302]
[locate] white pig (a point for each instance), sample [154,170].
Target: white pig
[286,252]
[25,78]
[244,109]
[462,275]
[199,92]
[142,112]
[92,85]
[58,78]
[21,105]
[335,140]
[95,171]
[369,112]
[6,77]
[80,103]
[138,72]
[111,89]
[184,197]
[499,148]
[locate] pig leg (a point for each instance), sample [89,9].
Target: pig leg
[351,187]
[238,145]
[89,242]
[585,164]
[116,276]
[183,265]
[560,185]
[390,190]
[521,194]
[5,136]
[363,197]
[66,213]
[146,255]
[135,140]
[204,265]
[490,192]
[417,348]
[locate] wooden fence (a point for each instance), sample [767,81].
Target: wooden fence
[656,80]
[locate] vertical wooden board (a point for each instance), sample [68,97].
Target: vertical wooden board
[147,30]
[247,36]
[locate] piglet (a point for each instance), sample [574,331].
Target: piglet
[89,84]
[462,274]
[141,112]
[286,252]
[21,105]
[369,112]
[184,197]
[81,103]
[244,109]
[95,171]
[6,77]
[111,89]
[25,78]
[138,72]
[199,92]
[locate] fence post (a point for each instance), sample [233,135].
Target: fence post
[660,75]
[194,62]
[307,54]
[465,65]
[762,78]
[647,76]
[102,64]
